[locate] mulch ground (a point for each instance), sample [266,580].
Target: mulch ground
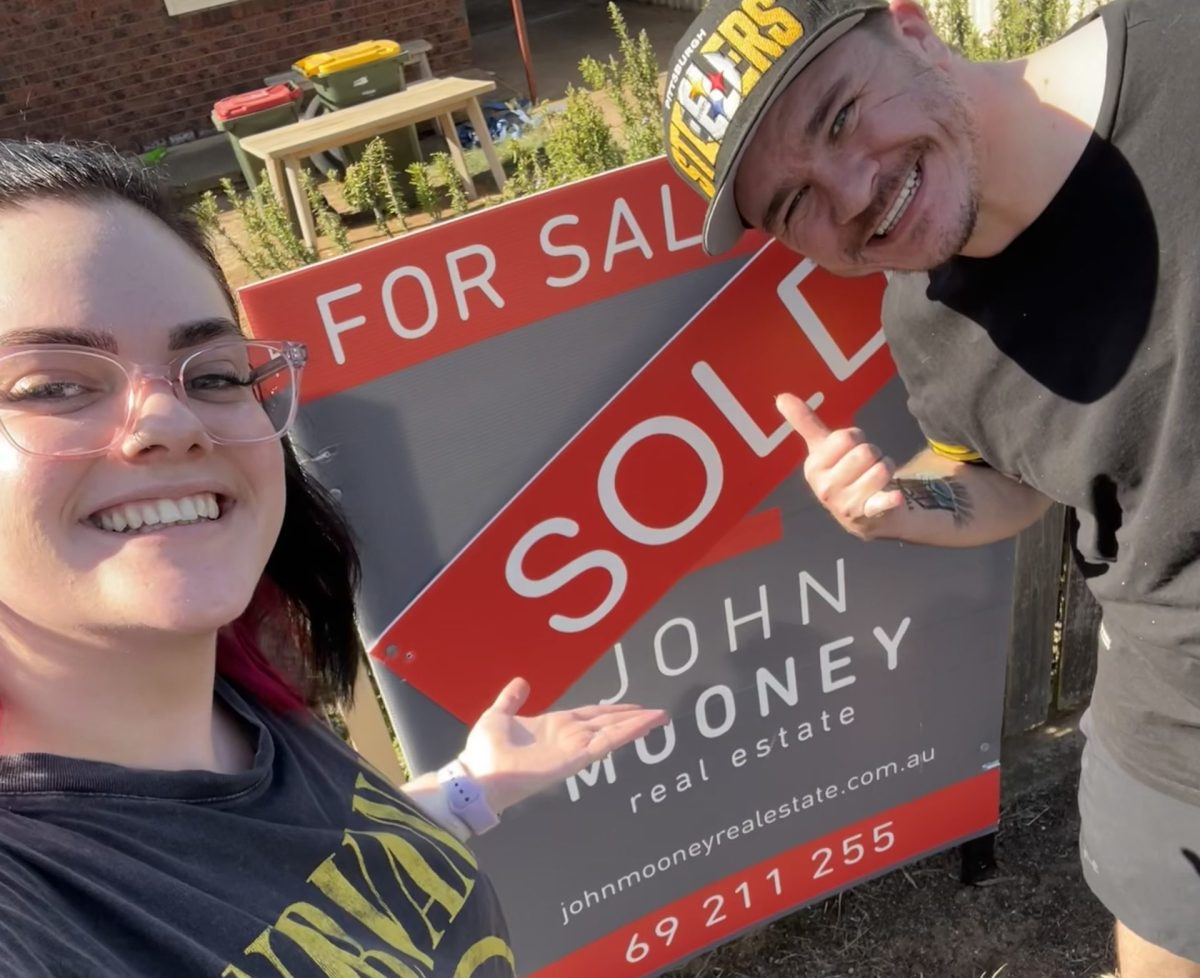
[1032,917]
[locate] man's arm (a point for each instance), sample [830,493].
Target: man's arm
[931,500]
[956,504]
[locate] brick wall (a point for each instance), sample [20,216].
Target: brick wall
[126,72]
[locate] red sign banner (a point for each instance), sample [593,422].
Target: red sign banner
[649,487]
[807,872]
[370,313]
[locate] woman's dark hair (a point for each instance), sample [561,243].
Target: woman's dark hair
[301,621]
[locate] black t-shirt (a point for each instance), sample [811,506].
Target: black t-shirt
[1071,361]
[309,864]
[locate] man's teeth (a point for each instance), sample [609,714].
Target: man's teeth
[153,513]
[903,199]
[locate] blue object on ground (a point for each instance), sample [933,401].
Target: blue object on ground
[503,122]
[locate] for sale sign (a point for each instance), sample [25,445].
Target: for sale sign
[552,425]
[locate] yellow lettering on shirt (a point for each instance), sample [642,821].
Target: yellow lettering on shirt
[374,914]
[481,951]
[421,885]
[387,812]
[430,884]
[329,947]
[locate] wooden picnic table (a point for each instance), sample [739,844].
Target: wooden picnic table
[283,150]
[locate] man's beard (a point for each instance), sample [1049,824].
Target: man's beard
[945,98]
[941,99]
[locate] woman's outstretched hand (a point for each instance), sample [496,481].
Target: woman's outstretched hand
[513,757]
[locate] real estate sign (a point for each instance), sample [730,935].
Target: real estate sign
[552,425]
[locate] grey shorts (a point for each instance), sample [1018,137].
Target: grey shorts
[1141,852]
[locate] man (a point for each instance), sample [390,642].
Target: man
[1042,217]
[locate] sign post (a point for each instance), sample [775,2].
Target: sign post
[552,425]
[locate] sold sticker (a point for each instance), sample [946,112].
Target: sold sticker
[645,490]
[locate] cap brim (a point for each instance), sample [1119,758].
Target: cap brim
[723,225]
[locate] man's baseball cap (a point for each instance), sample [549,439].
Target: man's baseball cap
[737,57]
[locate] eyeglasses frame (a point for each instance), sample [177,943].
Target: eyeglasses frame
[292,356]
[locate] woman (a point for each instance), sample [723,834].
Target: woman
[168,807]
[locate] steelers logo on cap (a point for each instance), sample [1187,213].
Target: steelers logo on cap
[710,93]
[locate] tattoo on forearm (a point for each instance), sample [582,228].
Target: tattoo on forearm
[926,492]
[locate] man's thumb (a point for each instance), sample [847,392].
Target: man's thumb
[803,419]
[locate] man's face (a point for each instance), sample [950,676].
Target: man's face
[868,161]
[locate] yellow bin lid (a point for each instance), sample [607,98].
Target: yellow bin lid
[343,59]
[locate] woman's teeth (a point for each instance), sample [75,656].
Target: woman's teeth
[900,205]
[154,514]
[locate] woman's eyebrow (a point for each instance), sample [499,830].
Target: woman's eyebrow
[99,339]
[182,336]
[201,331]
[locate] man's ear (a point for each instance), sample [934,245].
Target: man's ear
[912,26]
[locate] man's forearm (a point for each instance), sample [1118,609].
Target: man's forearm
[956,504]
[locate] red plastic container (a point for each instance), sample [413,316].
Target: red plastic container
[259,100]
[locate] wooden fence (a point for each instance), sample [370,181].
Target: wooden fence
[1055,625]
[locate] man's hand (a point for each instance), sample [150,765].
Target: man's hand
[850,476]
[931,499]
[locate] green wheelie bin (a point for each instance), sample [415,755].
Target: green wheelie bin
[253,112]
[356,74]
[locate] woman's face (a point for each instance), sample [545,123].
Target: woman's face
[106,270]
